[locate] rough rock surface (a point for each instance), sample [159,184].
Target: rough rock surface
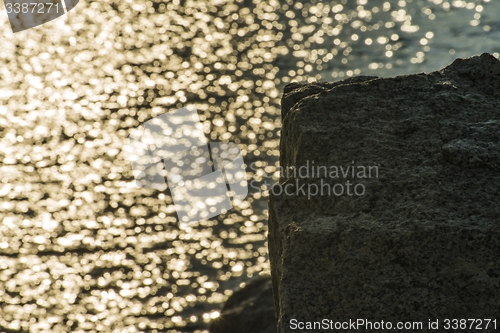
[248,310]
[423,241]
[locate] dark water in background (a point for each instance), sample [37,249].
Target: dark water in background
[81,249]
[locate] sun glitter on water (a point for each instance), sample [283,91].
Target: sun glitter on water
[81,249]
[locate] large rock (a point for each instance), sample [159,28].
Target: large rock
[416,236]
[248,310]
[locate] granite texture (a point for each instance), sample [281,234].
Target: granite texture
[248,310]
[423,241]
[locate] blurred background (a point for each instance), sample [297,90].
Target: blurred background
[84,250]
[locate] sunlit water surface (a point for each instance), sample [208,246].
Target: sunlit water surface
[81,249]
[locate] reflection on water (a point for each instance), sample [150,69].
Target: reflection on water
[81,249]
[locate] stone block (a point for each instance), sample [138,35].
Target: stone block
[388,203]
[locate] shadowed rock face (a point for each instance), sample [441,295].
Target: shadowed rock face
[248,310]
[422,240]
